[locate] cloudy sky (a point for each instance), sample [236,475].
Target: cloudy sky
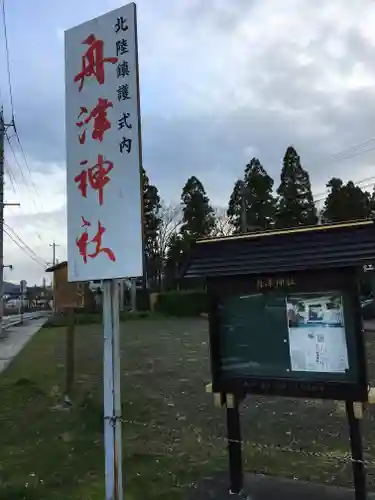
[221,81]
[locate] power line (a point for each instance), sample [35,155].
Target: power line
[8,59]
[353,148]
[8,138]
[344,155]
[25,245]
[13,120]
[27,163]
[15,158]
[321,196]
[347,153]
[10,174]
[354,153]
[21,171]
[31,256]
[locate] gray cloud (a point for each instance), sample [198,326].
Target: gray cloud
[220,82]
[282,95]
[217,14]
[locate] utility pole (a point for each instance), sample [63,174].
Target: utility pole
[3,127]
[54,252]
[54,263]
[2,140]
[243,209]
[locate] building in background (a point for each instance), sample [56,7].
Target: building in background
[68,295]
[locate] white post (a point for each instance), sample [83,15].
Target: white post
[134,295]
[21,305]
[122,295]
[112,392]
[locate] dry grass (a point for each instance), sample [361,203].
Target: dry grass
[173,436]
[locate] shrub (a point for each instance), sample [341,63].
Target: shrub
[79,319]
[182,303]
[89,319]
[143,299]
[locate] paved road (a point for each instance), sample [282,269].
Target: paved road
[15,319]
[17,336]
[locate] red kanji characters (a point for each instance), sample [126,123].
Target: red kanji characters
[83,241]
[81,179]
[93,61]
[97,176]
[101,122]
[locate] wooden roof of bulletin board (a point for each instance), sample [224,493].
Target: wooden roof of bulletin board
[301,248]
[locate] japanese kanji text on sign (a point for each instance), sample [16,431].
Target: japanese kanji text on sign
[103,148]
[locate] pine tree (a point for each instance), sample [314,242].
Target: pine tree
[177,247]
[254,196]
[295,204]
[235,206]
[198,218]
[346,202]
[151,223]
[198,221]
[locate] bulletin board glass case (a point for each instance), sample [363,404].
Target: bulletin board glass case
[298,334]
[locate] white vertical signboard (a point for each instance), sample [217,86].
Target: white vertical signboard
[104,187]
[103,148]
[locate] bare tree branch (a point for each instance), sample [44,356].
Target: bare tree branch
[223,226]
[170,217]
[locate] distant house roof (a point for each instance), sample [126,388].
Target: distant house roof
[333,245]
[11,288]
[60,265]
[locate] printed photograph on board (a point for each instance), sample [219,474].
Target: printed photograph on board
[316,328]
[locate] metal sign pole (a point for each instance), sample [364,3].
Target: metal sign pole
[112,392]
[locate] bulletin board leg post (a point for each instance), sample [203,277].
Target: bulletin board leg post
[112,392]
[359,471]
[234,448]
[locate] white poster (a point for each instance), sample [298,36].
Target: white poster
[317,340]
[103,148]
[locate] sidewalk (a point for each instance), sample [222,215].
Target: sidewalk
[17,338]
[270,488]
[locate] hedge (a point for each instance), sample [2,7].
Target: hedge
[143,299]
[182,303]
[91,318]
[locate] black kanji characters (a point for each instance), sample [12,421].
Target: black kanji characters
[125,144]
[121,24]
[123,121]
[123,69]
[122,47]
[123,92]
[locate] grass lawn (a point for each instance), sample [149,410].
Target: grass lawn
[173,436]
